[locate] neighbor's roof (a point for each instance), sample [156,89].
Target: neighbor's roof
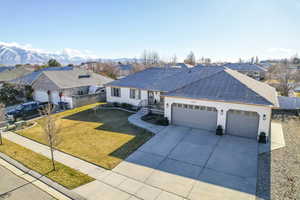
[244,67]
[76,78]
[163,79]
[4,68]
[125,67]
[12,74]
[30,78]
[289,102]
[229,85]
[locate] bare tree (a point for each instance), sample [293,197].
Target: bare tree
[190,59]
[51,130]
[285,77]
[2,118]
[150,58]
[174,59]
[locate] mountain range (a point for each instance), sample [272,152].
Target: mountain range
[12,54]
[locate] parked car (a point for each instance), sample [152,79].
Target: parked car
[25,111]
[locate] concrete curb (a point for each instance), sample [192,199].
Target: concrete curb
[37,177]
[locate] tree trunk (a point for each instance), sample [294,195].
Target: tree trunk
[1,142]
[52,158]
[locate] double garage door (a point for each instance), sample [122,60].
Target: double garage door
[238,123]
[195,116]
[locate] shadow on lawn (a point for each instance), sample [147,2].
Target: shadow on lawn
[115,121]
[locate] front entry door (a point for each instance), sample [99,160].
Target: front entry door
[150,97]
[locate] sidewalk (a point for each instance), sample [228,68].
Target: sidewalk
[109,185]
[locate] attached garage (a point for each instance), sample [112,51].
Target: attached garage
[41,96]
[194,116]
[242,123]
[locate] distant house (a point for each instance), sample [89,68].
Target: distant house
[5,68]
[10,74]
[91,65]
[123,70]
[297,91]
[201,97]
[252,70]
[179,65]
[75,87]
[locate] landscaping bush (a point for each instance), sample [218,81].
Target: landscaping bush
[116,104]
[126,106]
[163,122]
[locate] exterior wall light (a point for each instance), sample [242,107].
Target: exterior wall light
[264,117]
[222,112]
[167,105]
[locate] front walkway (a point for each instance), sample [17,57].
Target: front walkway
[136,120]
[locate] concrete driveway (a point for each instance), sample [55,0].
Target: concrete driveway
[194,164]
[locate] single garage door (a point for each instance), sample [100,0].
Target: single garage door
[242,123]
[194,116]
[41,96]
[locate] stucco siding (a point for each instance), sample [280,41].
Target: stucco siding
[222,108]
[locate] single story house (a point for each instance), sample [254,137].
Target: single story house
[201,97]
[252,70]
[76,87]
[28,79]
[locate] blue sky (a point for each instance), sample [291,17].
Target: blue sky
[220,29]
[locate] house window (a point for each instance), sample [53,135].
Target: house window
[116,92]
[135,94]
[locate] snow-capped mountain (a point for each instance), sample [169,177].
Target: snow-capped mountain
[13,53]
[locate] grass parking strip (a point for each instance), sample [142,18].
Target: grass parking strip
[64,175]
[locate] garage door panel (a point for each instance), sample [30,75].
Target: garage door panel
[241,123]
[194,117]
[41,96]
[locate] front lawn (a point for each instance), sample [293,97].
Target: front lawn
[64,175]
[104,137]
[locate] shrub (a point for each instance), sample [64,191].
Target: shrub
[163,122]
[116,104]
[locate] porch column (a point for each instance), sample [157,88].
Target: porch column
[222,113]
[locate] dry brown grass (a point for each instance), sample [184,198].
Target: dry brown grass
[104,138]
[63,175]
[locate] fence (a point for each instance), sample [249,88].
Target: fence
[81,100]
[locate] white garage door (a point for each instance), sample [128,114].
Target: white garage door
[41,96]
[242,123]
[194,116]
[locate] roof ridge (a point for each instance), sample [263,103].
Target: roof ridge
[240,74]
[200,79]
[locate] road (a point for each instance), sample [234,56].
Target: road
[13,187]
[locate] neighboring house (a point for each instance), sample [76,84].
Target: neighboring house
[179,65]
[123,70]
[297,91]
[13,73]
[252,70]
[201,97]
[91,65]
[76,87]
[5,68]
[28,79]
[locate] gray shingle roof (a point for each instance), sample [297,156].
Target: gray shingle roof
[76,78]
[244,67]
[30,78]
[289,102]
[214,83]
[163,79]
[229,85]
